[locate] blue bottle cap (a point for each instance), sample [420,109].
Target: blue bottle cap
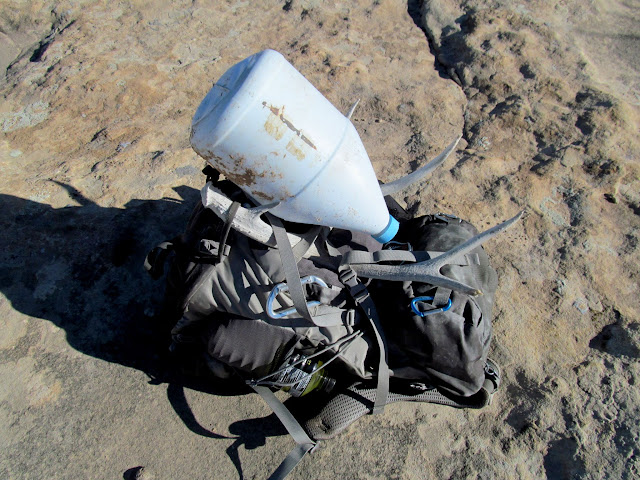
[389,231]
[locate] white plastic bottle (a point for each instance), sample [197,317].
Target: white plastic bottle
[266,128]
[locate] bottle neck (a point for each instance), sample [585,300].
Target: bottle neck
[389,232]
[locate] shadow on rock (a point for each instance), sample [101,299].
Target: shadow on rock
[414,11]
[80,267]
[561,461]
[618,340]
[252,433]
[178,400]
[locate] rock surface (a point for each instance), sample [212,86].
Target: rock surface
[97,168]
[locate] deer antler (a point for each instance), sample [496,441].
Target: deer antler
[429,270]
[246,220]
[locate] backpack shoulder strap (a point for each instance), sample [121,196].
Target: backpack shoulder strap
[304,444]
[361,296]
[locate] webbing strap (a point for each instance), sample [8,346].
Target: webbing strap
[328,316]
[361,296]
[303,246]
[331,250]
[233,209]
[290,267]
[304,443]
[208,247]
[358,257]
[442,296]
[321,318]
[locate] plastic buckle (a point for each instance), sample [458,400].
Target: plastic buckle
[283,287]
[350,321]
[359,293]
[394,245]
[414,307]
[348,277]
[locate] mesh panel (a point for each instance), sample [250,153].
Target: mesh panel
[346,407]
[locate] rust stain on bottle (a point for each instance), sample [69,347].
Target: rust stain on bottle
[278,115]
[234,168]
[239,174]
[294,150]
[274,126]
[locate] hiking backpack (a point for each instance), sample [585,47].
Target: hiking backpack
[320,309]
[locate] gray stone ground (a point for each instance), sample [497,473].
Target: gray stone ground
[97,99]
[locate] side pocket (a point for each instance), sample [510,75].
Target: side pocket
[251,346]
[450,348]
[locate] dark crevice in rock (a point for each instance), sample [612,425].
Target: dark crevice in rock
[414,8]
[44,44]
[36,52]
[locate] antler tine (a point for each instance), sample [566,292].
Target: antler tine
[429,270]
[353,109]
[402,183]
[473,242]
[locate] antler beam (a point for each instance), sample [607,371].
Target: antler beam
[429,270]
[246,220]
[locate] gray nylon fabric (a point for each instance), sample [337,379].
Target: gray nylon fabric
[363,299]
[442,296]
[447,349]
[239,287]
[306,241]
[230,339]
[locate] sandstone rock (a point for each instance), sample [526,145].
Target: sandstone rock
[97,168]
